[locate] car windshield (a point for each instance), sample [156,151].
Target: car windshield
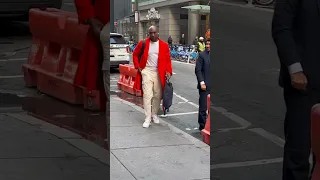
[117,40]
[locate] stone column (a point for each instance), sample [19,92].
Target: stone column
[193,23]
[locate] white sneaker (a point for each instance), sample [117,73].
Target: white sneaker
[146,123]
[155,119]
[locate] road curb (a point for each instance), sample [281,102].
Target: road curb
[197,143]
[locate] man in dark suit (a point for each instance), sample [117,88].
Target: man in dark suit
[296,33]
[202,71]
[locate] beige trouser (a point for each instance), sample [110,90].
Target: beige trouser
[152,92]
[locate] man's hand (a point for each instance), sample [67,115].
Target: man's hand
[203,87]
[299,81]
[139,69]
[96,26]
[168,75]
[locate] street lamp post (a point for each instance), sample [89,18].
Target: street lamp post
[136,19]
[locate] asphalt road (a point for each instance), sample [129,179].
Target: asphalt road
[245,96]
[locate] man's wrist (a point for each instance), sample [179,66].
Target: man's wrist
[295,68]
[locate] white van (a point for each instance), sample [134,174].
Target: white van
[119,50]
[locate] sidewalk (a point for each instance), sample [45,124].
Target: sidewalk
[156,153]
[34,149]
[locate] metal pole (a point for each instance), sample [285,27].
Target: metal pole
[137,23]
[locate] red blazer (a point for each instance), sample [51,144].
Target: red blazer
[164,61]
[100,10]
[89,70]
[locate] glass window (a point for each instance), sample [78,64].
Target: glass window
[117,40]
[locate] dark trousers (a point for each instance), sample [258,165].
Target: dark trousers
[297,129]
[202,115]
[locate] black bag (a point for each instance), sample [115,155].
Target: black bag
[167,97]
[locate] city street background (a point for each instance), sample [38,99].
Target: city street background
[248,110]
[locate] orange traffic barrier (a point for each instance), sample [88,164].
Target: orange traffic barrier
[52,64]
[127,79]
[206,131]
[315,143]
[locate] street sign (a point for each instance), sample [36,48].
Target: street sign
[115,23]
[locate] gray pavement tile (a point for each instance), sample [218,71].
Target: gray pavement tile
[137,136]
[91,149]
[116,106]
[183,162]
[20,139]
[53,169]
[118,171]
[44,126]
[259,172]
[241,145]
[132,118]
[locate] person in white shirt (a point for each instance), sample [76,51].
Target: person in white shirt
[154,66]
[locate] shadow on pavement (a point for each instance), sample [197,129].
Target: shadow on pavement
[13,29]
[130,98]
[90,125]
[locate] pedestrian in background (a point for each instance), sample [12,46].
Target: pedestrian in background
[201,46]
[195,41]
[182,40]
[170,41]
[202,71]
[296,33]
[153,67]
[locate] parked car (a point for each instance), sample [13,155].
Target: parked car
[19,9]
[119,50]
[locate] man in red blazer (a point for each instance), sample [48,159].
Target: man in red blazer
[96,14]
[153,67]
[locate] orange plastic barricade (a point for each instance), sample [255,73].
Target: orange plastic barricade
[315,143]
[53,59]
[206,131]
[127,78]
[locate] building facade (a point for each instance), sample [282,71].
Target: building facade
[119,10]
[169,17]
[172,19]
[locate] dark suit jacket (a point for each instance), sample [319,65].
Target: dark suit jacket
[202,69]
[296,33]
